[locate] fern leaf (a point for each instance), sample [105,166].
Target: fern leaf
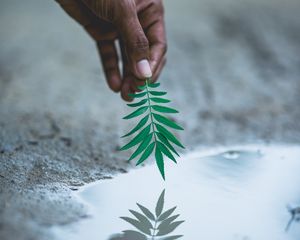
[167,143]
[142,219]
[160,162]
[160,204]
[143,87]
[137,95]
[137,112]
[166,214]
[138,138]
[154,137]
[146,154]
[140,103]
[142,123]
[165,151]
[164,109]
[166,121]
[172,237]
[168,135]
[155,93]
[166,229]
[157,225]
[159,100]
[153,85]
[147,212]
[138,225]
[142,146]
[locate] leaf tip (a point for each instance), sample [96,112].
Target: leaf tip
[138,163]
[163,176]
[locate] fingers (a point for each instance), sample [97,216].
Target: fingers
[143,54]
[152,20]
[137,51]
[158,46]
[135,41]
[109,58]
[125,88]
[130,83]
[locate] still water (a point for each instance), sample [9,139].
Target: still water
[236,193]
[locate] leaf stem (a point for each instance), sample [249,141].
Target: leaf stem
[154,230]
[151,117]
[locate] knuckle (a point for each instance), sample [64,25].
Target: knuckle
[140,44]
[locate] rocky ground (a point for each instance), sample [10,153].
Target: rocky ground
[233,70]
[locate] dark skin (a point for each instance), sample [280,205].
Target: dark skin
[138,25]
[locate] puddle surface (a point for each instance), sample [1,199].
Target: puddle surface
[241,193]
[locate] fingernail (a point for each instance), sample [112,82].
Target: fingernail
[144,68]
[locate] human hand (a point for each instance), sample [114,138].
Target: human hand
[139,27]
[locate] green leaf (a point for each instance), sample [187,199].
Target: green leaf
[168,135]
[160,162]
[166,121]
[137,225]
[137,112]
[166,142]
[138,138]
[172,237]
[146,153]
[159,100]
[140,103]
[164,109]
[168,228]
[160,204]
[167,222]
[134,235]
[142,146]
[142,219]
[137,95]
[166,151]
[142,87]
[153,85]
[147,212]
[142,122]
[156,93]
[166,214]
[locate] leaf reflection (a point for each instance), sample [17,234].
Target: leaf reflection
[151,225]
[295,216]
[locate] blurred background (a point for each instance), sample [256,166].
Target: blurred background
[233,71]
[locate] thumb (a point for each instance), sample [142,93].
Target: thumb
[136,44]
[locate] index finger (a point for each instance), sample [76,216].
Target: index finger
[158,45]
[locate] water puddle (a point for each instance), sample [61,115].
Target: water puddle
[241,193]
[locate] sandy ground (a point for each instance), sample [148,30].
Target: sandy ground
[233,71]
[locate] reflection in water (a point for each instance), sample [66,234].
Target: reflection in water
[151,225]
[232,193]
[295,216]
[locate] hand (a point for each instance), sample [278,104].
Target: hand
[139,27]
